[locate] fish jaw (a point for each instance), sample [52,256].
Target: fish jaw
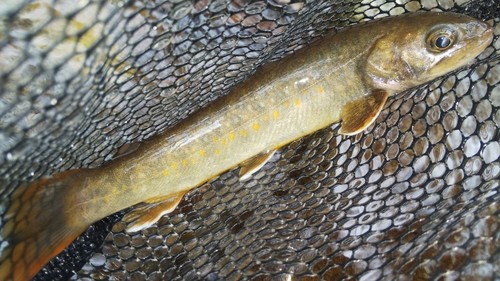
[405,54]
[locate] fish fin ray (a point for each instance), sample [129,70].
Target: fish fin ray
[252,165]
[35,228]
[127,149]
[361,113]
[150,211]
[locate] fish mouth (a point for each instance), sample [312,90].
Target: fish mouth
[489,34]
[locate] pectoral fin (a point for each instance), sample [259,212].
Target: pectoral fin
[254,164]
[359,114]
[149,212]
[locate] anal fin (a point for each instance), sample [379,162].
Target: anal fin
[252,165]
[361,113]
[149,212]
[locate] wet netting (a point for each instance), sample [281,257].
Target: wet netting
[413,197]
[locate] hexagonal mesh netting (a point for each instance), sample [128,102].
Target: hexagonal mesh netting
[413,197]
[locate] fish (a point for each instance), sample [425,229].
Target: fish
[345,76]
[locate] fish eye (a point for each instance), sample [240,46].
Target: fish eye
[441,40]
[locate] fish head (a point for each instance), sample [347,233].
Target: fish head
[420,47]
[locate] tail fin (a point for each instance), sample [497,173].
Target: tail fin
[35,227]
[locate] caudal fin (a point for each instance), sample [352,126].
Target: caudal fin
[35,227]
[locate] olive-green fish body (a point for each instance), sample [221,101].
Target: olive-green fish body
[294,100]
[343,77]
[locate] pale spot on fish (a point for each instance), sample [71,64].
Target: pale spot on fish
[174,166]
[243,133]
[185,162]
[320,89]
[301,82]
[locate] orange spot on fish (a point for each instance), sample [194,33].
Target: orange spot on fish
[231,136]
[276,114]
[243,133]
[320,89]
[165,172]
[174,166]
[256,126]
[296,102]
[202,153]
[185,162]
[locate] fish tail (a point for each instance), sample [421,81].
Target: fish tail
[35,227]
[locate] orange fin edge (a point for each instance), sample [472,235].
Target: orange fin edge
[252,165]
[149,212]
[357,115]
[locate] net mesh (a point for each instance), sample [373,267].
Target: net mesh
[413,197]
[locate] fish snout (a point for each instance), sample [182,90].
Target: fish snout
[479,29]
